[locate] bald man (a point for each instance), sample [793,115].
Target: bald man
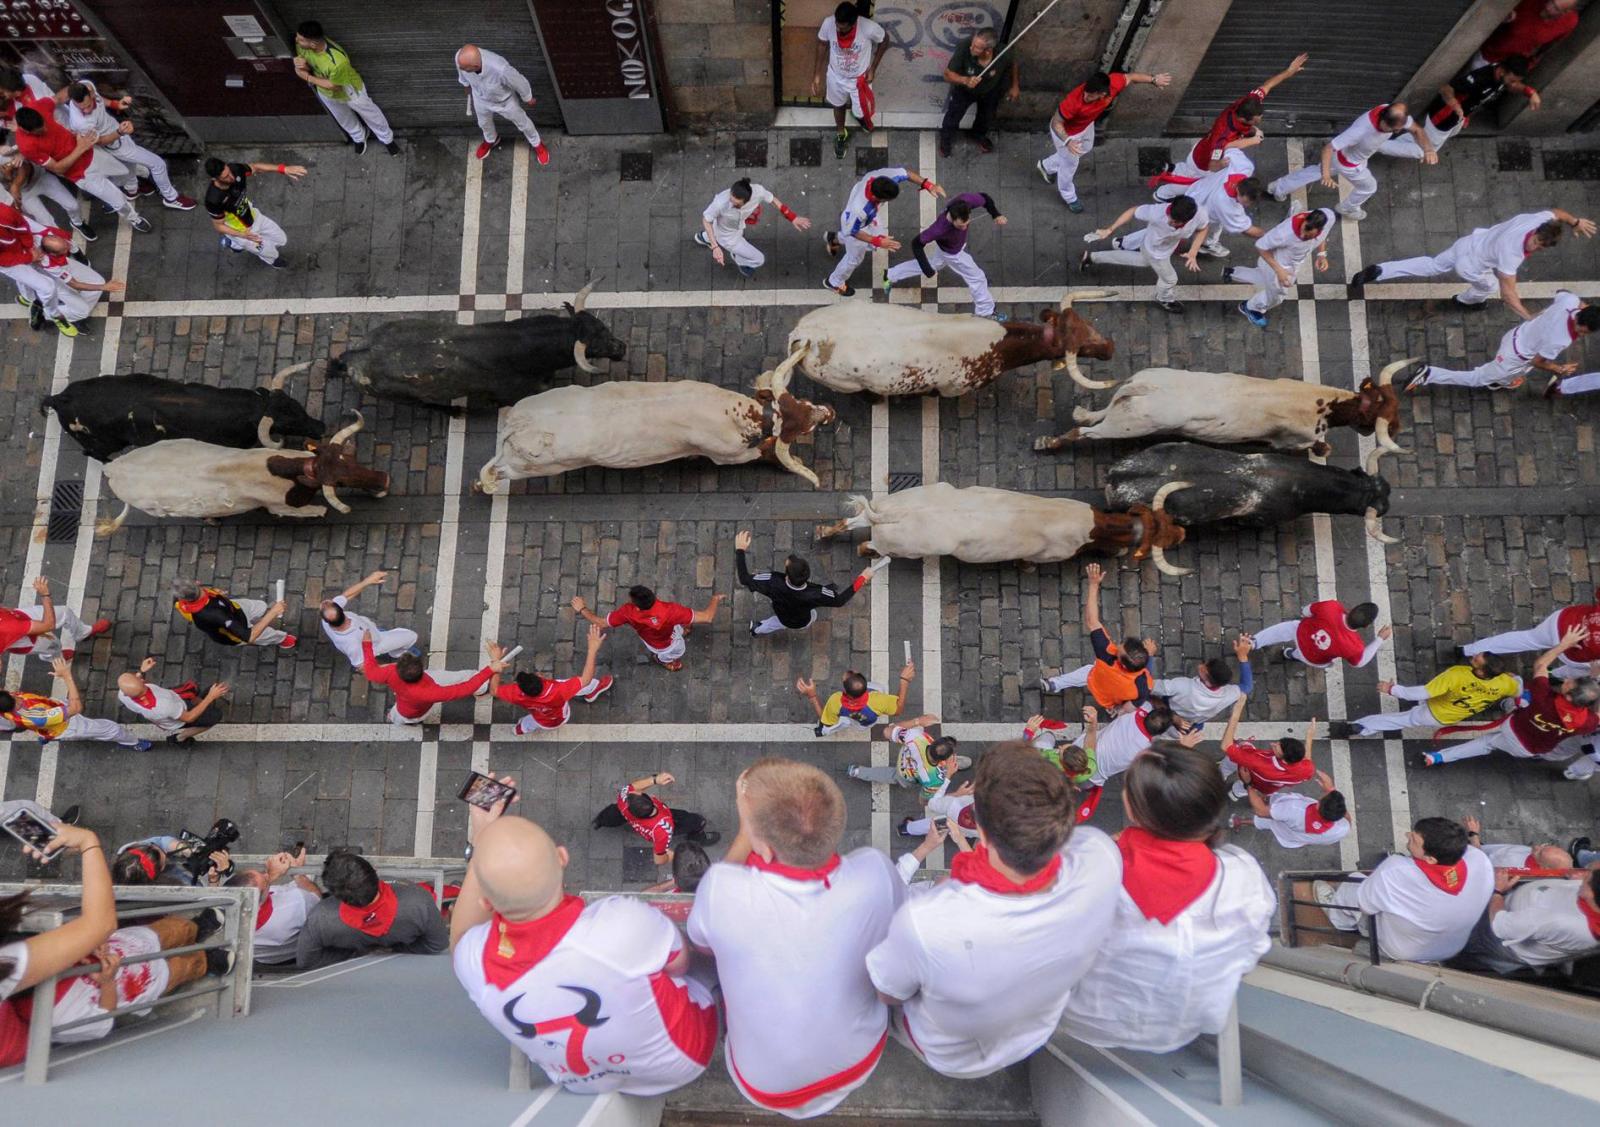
[183,713]
[595,995]
[494,86]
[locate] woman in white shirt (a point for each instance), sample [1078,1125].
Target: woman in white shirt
[1192,916]
[29,961]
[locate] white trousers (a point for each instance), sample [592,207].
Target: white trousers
[528,725]
[135,155]
[1133,252]
[43,186]
[512,111]
[1270,292]
[253,610]
[1419,716]
[1406,146]
[387,642]
[854,251]
[1063,162]
[1499,371]
[743,251]
[100,180]
[1362,183]
[1482,283]
[1578,385]
[357,114]
[81,727]
[674,649]
[771,624]
[1072,679]
[1283,633]
[1501,739]
[35,285]
[1542,637]
[69,631]
[440,677]
[1348,917]
[272,238]
[841,92]
[961,263]
[1237,161]
[77,305]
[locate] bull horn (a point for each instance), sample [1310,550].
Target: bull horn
[277,381]
[1375,528]
[583,296]
[348,431]
[786,459]
[1381,433]
[333,499]
[107,527]
[1159,502]
[1084,295]
[580,356]
[1071,362]
[264,434]
[776,381]
[1159,555]
[1386,377]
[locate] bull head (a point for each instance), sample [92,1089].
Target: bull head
[590,333]
[1067,330]
[796,417]
[1379,407]
[276,402]
[1160,530]
[333,463]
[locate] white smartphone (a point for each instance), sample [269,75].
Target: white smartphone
[30,824]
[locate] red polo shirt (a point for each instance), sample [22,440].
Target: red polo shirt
[56,142]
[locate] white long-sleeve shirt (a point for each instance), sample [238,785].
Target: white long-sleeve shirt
[498,83]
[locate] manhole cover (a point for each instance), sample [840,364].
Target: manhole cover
[1514,156]
[1584,165]
[750,154]
[805,152]
[66,509]
[637,166]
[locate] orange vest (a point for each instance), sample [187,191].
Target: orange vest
[1111,684]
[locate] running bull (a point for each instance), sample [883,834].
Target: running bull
[983,525]
[903,350]
[184,478]
[628,425]
[1244,490]
[496,364]
[1222,407]
[111,413]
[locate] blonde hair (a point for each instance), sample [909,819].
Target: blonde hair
[796,809]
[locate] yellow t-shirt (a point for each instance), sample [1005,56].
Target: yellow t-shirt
[1459,693]
[883,705]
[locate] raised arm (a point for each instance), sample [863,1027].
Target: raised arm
[47,621]
[1584,227]
[1232,730]
[1573,637]
[1285,74]
[63,670]
[1159,81]
[597,635]
[375,579]
[708,613]
[908,674]
[1384,634]
[1124,218]
[54,951]
[1093,576]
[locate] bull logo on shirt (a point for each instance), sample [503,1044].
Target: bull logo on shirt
[576,1026]
[1321,639]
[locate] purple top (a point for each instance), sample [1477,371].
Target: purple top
[953,239]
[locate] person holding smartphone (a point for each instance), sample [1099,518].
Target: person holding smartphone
[25,962]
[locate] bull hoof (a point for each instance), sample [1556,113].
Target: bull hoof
[866,550]
[1027,565]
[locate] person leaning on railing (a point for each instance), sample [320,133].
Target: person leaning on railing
[27,961]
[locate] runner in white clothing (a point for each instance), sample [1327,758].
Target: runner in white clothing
[1120,742]
[1165,228]
[31,186]
[1227,197]
[790,922]
[725,218]
[345,629]
[1282,249]
[982,966]
[1426,900]
[1347,155]
[90,111]
[863,226]
[494,86]
[1211,691]
[78,285]
[849,49]
[1487,259]
[1532,344]
[1298,820]
[1535,923]
[46,630]
[183,713]
[596,996]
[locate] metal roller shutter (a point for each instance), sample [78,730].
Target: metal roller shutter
[1362,53]
[403,49]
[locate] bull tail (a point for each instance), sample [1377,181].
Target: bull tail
[46,405]
[107,527]
[862,514]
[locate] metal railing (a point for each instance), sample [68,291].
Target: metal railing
[51,905]
[1290,928]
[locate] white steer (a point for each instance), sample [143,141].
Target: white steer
[628,425]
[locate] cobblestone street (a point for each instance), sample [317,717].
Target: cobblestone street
[1495,499]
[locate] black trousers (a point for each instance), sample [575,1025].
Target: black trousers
[685,823]
[956,106]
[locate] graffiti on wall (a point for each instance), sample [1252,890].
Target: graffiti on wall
[922,35]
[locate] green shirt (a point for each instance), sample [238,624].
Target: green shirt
[335,66]
[962,63]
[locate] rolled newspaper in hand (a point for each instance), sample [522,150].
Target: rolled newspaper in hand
[879,564]
[908,649]
[511,654]
[1091,236]
[280,590]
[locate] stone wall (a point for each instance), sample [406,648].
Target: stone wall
[718,59]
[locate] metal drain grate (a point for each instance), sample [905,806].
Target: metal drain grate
[899,481]
[1579,165]
[66,509]
[805,152]
[750,153]
[1514,156]
[637,166]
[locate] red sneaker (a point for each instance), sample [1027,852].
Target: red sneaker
[672,666]
[605,683]
[485,148]
[101,625]
[541,154]
[288,643]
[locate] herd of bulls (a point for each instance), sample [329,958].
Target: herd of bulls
[189,450]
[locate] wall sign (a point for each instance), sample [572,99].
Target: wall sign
[600,56]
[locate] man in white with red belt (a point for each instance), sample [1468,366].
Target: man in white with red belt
[345,629]
[790,923]
[1031,906]
[723,223]
[548,700]
[1347,155]
[1282,250]
[281,910]
[1535,344]
[45,630]
[596,995]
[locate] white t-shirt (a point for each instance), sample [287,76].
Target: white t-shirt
[1158,986]
[1501,248]
[98,118]
[1289,821]
[136,982]
[348,641]
[164,713]
[728,221]
[861,215]
[1363,137]
[496,83]
[595,1010]
[1161,238]
[17,955]
[985,975]
[791,954]
[1195,702]
[1211,193]
[1503,856]
[1549,334]
[275,938]
[1542,924]
[855,60]
[1289,248]
[1417,920]
[1117,745]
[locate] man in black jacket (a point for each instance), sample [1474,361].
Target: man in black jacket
[795,599]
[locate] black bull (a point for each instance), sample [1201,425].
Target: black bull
[490,365]
[1230,489]
[108,414]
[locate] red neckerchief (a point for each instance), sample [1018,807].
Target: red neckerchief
[514,947]
[1374,115]
[854,703]
[1231,185]
[846,41]
[966,819]
[1314,822]
[1299,224]
[1164,877]
[1446,878]
[1572,716]
[974,868]
[1089,802]
[377,917]
[264,913]
[146,699]
[196,606]
[1590,917]
[822,872]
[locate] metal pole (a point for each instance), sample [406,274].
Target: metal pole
[521,1075]
[1230,1061]
[1013,41]
[37,1068]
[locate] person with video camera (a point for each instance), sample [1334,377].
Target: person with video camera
[183,860]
